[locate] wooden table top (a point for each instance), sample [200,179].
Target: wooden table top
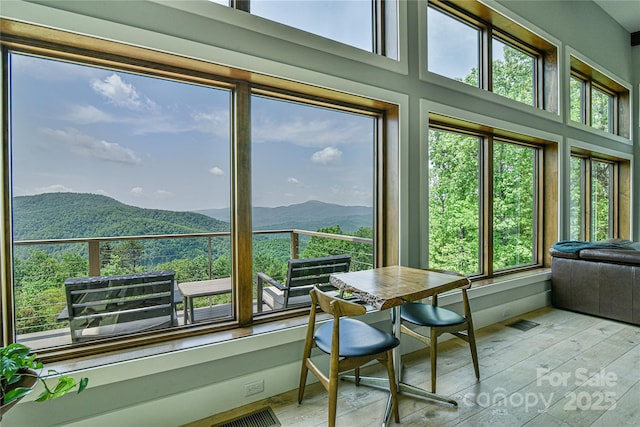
[205,287]
[388,287]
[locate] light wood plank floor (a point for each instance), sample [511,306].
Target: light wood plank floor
[571,370]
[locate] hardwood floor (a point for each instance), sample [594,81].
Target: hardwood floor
[570,370]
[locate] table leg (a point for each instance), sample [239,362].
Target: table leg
[402,387]
[186,310]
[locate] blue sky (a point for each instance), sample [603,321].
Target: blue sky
[348,21]
[161,144]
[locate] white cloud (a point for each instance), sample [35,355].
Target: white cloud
[216,171]
[215,122]
[87,114]
[163,193]
[56,188]
[137,191]
[90,147]
[327,156]
[121,93]
[311,133]
[293,180]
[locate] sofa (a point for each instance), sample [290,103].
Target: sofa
[601,279]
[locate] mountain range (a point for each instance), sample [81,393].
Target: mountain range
[310,215]
[76,215]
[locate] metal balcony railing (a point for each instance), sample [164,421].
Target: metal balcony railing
[42,266]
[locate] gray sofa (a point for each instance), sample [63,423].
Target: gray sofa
[601,280]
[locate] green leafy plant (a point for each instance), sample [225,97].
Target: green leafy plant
[18,364]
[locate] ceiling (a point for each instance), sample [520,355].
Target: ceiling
[625,12]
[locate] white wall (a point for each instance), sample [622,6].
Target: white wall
[191,384]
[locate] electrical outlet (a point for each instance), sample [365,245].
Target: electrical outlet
[254,388]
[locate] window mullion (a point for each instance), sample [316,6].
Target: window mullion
[486,215]
[241,233]
[588,89]
[486,59]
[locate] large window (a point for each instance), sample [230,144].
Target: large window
[370,25]
[594,201]
[133,165]
[490,52]
[484,201]
[313,171]
[597,100]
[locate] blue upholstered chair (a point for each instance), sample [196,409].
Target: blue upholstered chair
[440,321]
[350,344]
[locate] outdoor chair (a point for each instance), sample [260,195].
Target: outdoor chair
[440,321]
[350,343]
[302,276]
[104,306]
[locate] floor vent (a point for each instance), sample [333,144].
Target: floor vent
[260,418]
[523,325]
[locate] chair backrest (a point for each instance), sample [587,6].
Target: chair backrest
[103,306]
[463,289]
[333,305]
[304,274]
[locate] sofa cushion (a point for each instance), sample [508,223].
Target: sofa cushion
[617,256]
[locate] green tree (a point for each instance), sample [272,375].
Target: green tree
[513,204]
[361,253]
[454,183]
[131,253]
[513,77]
[453,201]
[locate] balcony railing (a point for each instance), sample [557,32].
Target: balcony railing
[42,266]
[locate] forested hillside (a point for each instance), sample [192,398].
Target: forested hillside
[40,270]
[73,215]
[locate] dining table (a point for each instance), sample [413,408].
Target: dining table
[388,288]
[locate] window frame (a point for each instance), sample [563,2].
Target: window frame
[56,44]
[618,209]
[592,79]
[384,29]
[492,24]
[544,200]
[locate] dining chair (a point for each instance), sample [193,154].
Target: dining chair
[350,343]
[440,321]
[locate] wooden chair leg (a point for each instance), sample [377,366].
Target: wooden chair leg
[333,401]
[303,379]
[474,351]
[434,355]
[392,386]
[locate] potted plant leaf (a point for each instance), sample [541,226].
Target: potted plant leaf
[19,373]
